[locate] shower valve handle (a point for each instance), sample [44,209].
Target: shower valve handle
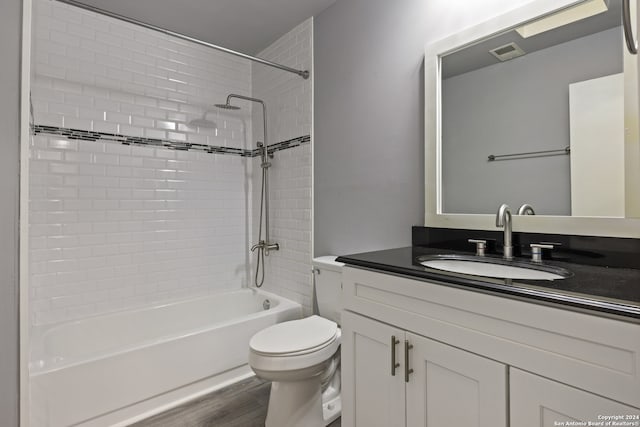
[266,247]
[271,247]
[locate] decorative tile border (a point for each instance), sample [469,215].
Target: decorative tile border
[283,145]
[86,135]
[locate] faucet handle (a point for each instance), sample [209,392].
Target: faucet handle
[481,246]
[536,250]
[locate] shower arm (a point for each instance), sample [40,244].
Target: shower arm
[264,115]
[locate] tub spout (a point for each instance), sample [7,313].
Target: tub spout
[266,247]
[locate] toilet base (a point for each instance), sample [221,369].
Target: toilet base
[302,404]
[295,404]
[331,401]
[331,410]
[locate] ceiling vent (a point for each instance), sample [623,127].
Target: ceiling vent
[507,52]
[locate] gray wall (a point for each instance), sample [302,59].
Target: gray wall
[10,28]
[520,105]
[369,116]
[368,112]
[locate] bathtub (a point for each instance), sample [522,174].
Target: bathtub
[119,368]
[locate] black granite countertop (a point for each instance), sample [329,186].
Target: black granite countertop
[600,290]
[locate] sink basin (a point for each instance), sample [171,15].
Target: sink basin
[494,267]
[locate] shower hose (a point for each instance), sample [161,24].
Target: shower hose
[260,260]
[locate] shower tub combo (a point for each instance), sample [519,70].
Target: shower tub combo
[118,368]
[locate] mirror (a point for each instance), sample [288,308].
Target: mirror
[508,96]
[531,107]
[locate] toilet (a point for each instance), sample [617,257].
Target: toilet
[302,358]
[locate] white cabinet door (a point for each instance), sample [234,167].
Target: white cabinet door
[539,402]
[452,387]
[371,395]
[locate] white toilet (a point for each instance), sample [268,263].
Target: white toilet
[302,358]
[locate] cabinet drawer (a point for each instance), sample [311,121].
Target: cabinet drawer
[589,352]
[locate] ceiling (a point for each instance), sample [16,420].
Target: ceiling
[247,26]
[477,55]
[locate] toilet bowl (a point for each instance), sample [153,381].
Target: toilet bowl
[302,359]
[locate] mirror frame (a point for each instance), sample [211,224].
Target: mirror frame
[586,226]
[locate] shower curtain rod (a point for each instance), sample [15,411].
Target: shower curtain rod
[302,73]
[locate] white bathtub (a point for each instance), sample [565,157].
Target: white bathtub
[118,368]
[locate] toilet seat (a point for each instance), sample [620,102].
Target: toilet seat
[294,338]
[294,345]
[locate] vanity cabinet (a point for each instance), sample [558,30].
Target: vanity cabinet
[396,378]
[372,395]
[539,402]
[477,357]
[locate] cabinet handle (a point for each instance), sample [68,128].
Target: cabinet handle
[407,371]
[394,364]
[632,44]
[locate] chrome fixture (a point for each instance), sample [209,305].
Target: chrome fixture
[407,370]
[302,73]
[481,246]
[227,106]
[526,209]
[503,219]
[536,250]
[264,245]
[632,43]
[394,365]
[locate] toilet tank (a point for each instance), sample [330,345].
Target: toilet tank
[328,284]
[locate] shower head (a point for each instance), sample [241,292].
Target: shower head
[227,106]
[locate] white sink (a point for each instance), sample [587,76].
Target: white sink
[494,267]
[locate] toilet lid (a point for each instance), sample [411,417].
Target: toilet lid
[296,336]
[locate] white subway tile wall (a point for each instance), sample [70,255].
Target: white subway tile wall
[288,271]
[288,96]
[289,103]
[115,226]
[97,73]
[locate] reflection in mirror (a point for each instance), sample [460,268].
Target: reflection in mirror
[532,92]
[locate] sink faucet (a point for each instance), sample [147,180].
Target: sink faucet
[503,219]
[526,209]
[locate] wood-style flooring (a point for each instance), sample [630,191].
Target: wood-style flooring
[243,404]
